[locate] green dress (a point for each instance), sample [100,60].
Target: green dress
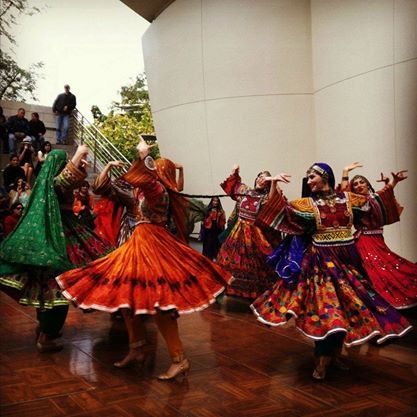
[48,239]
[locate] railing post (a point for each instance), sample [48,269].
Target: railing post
[95,152]
[82,131]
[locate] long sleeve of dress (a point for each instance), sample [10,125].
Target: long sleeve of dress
[233,185]
[70,177]
[295,217]
[376,210]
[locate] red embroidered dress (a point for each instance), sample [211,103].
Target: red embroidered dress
[332,292]
[245,250]
[153,270]
[393,277]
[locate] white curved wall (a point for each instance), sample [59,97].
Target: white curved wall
[365,82]
[231,82]
[278,84]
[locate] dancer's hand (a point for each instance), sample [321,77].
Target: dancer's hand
[383,179]
[178,166]
[116,164]
[143,148]
[352,166]
[79,155]
[280,178]
[398,176]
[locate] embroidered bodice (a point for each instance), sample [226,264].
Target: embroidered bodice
[249,200]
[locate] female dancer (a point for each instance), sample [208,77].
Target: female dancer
[245,251]
[330,297]
[393,277]
[153,272]
[48,240]
[211,226]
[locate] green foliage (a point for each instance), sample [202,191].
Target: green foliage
[97,114]
[134,99]
[15,83]
[9,12]
[129,118]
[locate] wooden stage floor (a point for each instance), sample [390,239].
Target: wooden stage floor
[239,368]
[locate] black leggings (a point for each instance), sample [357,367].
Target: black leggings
[330,345]
[52,320]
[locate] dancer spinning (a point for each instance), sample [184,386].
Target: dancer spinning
[331,297]
[245,251]
[153,272]
[47,241]
[393,277]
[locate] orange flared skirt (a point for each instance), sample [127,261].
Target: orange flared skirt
[152,271]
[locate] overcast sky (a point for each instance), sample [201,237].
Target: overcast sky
[93,45]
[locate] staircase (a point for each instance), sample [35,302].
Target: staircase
[101,149]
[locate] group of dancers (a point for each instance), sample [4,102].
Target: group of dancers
[295,258]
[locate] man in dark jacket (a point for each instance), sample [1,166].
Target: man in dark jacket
[63,106]
[18,128]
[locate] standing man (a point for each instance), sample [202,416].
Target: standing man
[63,106]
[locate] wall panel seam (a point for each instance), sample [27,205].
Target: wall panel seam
[363,73]
[230,98]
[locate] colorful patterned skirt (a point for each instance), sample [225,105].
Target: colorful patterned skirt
[393,277]
[36,286]
[244,254]
[332,294]
[152,271]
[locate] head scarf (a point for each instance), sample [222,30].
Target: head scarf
[166,171]
[371,189]
[324,171]
[38,239]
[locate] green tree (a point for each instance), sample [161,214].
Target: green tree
[129,117]
[15,82]
[134,99]
[10,10]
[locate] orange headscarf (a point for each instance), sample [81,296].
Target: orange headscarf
[167,174]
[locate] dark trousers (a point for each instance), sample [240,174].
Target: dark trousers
[52,320]
[329,346]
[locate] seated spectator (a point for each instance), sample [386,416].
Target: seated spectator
[13,172]
[18,129]
[3,131]
[83,205]
[20,193]
[42,154]
[37,131]
[10,221]
[26,156]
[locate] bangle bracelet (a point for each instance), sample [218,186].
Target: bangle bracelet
[345,178]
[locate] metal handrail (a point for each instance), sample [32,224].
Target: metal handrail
[101,150]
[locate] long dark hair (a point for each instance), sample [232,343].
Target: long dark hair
[43,147]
